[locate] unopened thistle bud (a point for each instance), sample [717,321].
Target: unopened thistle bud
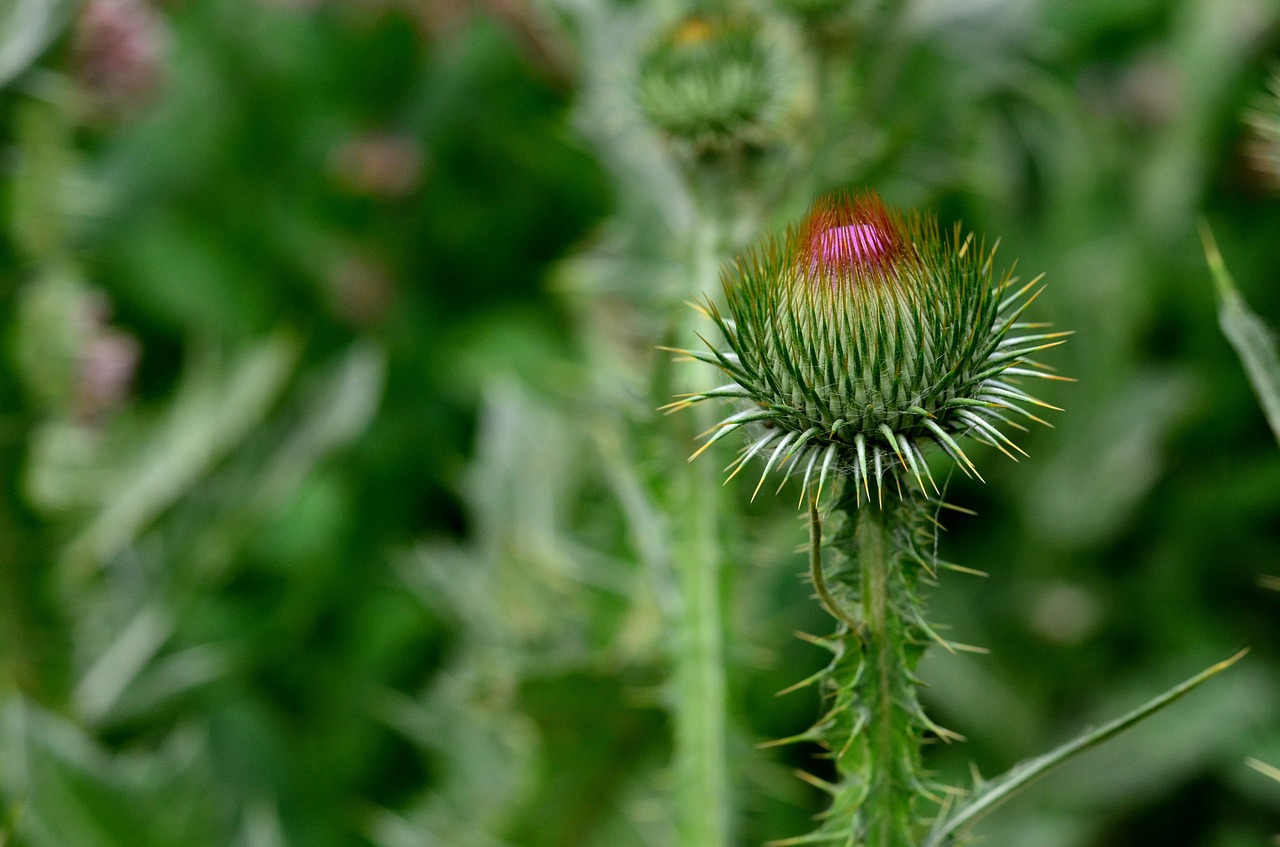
[864,336]
[711,82]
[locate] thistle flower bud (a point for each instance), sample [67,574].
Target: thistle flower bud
[864,336]
[711,82]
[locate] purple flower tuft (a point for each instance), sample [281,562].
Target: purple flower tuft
[850,244]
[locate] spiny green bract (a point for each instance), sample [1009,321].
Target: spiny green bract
[711,82]
[861,337]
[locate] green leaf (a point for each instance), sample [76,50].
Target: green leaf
[59,786]
[1264,769]
[26,28]
[216,407]
[1253,339]
[991,794]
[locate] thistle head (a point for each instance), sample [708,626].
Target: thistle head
[710,81]
[863,337]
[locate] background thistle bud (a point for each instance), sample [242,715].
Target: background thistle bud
[863,336]
[711,82]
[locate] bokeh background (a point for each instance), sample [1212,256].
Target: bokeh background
[327,420]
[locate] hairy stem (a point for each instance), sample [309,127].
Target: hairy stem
[699,720]
[702,792]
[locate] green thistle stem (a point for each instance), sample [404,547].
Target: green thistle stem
[874,724]
[888,807]
[702,792]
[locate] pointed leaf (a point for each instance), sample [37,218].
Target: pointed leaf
[992,794]
[1253,340]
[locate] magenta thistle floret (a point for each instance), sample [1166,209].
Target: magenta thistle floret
[849,244]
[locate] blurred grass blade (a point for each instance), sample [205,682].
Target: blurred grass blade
[340,406]
[122,661]
[991,794]
[215,408]
[26,28]
[1253,340]
[1264,769]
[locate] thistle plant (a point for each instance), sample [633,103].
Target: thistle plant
[714,88]
[861,347]
[862,339]
[711,83]
[856,345]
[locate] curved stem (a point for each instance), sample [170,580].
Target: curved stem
[816,576]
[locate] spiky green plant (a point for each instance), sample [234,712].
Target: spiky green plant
[857,344]
[854,344]
[862,338]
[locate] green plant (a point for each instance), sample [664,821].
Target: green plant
[1253,341]
[854,345]
[335,507]
[862,338]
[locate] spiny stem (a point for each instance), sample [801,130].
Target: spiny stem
[874,723]
[874,564]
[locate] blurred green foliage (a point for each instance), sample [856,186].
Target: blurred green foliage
[360,553]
